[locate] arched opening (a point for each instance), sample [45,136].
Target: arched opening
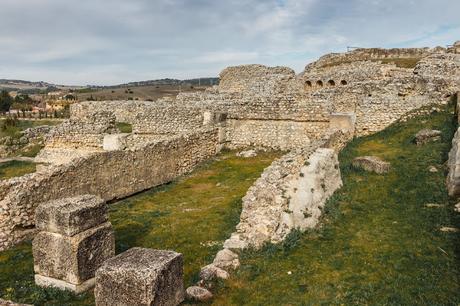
[307,84]
[331,83]
[343,82]
[319,83]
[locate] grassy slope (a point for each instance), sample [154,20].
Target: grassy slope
[15,168]
[379,245]
[192,216]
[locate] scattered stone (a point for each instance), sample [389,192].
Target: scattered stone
[431,205]
[141,277]
[424,136]
[371,164]
[432,169]
[198,294]
[457,207]
[227,260]
[447,229]
[247,154]
[10,303]
[212,272]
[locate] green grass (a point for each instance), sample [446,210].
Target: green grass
[124,127]
[15,131]
[15,168]
[379,244]
[193,215]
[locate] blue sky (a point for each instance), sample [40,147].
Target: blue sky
[115,41]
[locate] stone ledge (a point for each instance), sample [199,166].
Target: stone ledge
[44,281]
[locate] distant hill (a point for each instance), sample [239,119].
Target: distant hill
[172,82]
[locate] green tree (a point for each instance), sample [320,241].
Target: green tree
[5,101]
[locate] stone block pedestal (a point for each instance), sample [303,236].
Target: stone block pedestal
[141,277]
[75,240]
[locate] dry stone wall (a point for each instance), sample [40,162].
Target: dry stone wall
[108,174]
[290,194]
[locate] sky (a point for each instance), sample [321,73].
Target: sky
[106,42]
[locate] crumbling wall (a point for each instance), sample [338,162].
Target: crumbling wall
[110,175]
[365,54]
[83,132]
[283,135]
[290,194]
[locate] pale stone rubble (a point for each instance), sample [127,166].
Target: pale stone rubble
[371,164]
[426,135]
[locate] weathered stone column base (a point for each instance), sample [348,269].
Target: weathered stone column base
[44,281]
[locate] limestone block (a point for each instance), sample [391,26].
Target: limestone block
[371,164]
[343,121]
[114,142]
[70,216]
[73,259]
[141,277]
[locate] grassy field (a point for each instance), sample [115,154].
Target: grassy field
[15,168]
[193,216]
[148,92]
[379,245]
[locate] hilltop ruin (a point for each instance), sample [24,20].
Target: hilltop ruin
[311,115]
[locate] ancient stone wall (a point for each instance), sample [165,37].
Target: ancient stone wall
[365,54]
[276,134]
[110,175]
[290,194]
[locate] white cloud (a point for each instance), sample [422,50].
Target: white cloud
[114,41]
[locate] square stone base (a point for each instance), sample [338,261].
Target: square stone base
[44,281]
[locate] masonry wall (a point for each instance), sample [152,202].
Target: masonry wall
[277,134]
[110,175]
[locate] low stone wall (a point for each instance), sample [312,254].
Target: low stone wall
[109,174]
[453,163]
[276,134]
[289,195]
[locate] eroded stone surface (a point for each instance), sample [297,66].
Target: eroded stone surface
[198,294]
[70,216]
[73,259]
[371,164]
[226,260]
[142,277]
[212,272]
[424,136]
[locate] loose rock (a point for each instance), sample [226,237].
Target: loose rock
[211,272]
[226,259]
[424,136]
[371,164]
[198,294]
[247,154]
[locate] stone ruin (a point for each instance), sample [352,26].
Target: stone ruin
[311,115]
[75,238]
[141,277]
